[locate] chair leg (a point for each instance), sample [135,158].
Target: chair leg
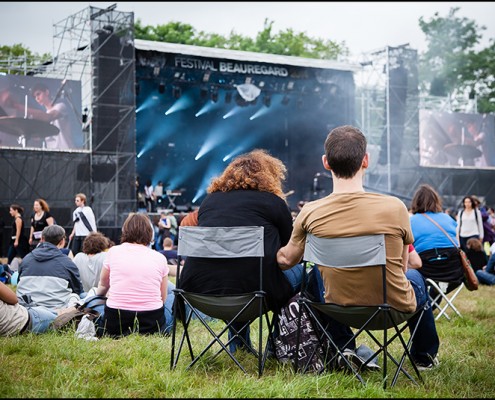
[441,295]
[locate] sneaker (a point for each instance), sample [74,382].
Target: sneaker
[356,361]
[365,353]
[425,367]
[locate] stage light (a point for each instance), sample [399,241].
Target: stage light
[161,88]
[228,97]
[285,100]
[176,92]
[267,100]
[214,94]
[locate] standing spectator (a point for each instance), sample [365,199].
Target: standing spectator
[40,219]
[470,222]
[168,225]
[488,232]
[46,276]
[19,244]
[89,262]
[135,280]
[84,223]
[149,196]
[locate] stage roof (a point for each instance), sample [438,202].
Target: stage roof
[163,47]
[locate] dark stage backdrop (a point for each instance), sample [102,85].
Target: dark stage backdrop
[192,118]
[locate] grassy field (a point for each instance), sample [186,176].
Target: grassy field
[58,365]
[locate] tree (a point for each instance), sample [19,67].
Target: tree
[17,59]
[451,64]
[286,42]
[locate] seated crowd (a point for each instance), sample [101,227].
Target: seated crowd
[134,275]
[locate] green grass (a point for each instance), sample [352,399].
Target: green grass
[57,365]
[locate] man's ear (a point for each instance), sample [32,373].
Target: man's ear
[325,162]
[366,160]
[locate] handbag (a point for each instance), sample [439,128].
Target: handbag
[470,278]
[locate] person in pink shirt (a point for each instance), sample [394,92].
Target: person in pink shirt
[135,280]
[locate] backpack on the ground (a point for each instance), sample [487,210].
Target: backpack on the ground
[73,315]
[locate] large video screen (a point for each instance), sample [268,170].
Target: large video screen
[456,140]
[41,114]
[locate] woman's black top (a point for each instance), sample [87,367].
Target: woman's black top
[229,276]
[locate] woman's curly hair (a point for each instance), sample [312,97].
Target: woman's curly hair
[256,170]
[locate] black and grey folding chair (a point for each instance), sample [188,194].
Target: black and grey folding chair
[374,320]
[243,308]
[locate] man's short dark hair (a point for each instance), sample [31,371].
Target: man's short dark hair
[39,87]
[53,234]
[345,148]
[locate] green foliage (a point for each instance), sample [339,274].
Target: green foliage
[286,42]
[451,63]
[17,59]
[449,38]
[58,365]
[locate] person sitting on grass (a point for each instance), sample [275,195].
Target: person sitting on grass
[135,280]
[46,276]
[16,319]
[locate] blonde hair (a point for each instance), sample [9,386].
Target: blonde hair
[256,170]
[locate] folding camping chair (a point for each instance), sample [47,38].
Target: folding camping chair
[441,293]
[358,252]
[245,308]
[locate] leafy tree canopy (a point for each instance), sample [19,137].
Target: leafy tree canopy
[287,42]
[451,63]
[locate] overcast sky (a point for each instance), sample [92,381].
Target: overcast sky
[363,26]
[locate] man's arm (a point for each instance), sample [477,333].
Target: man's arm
[405,257]
[414,261]
[289,255]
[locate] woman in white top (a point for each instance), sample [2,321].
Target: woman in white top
[469,222]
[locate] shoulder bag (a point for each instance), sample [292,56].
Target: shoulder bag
[470,278]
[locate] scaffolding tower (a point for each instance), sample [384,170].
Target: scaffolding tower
[96,47]
[388,103]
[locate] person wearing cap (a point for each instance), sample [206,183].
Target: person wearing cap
[47,277]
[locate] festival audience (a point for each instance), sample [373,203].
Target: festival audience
[90,260]
[46,276]
[19,244]
[470,222]
[340,214]
[40,218]
[16,319]
[476,254]
[439,254]
[248,193]
[135,280]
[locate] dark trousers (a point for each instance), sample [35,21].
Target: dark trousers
[77,243]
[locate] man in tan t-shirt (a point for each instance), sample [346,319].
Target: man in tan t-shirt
[347,212]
